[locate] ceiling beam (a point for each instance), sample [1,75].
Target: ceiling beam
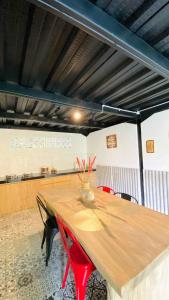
[147,112]
[47,121]
[31,93]
[44,129]
[149,87]
[20,91]
[104,27]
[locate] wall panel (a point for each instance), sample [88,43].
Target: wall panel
[156,184]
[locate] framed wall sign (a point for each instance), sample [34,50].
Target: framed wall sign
[150,146]
[111,141]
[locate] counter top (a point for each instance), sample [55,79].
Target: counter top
[39,176]
[124,240]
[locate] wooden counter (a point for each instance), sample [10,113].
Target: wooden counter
[22,195]
[126,242]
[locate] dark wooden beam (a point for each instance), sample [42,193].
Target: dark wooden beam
[46,121]
[58,99]
[96,22]
[20,91]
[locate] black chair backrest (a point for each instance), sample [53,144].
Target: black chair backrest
[41,206]
[126,196]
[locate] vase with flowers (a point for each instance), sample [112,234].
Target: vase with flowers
[85,169]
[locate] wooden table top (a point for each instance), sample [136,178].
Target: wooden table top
[125,241]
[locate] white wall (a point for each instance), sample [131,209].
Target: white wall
[156,128]
[126,153]
[25,160]
[19,161]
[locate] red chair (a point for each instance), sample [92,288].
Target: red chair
[78,260]
[106,189]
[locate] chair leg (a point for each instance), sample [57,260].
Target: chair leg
[66,274]
[49,241]
[81,279]
[43,239]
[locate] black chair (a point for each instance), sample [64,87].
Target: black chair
[126,196]
[50,228]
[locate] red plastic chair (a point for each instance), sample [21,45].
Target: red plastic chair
[106,189]
[78,260]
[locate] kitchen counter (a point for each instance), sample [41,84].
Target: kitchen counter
[34,176]
[20,195]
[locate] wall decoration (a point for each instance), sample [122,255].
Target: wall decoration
[150,146]
[41,142]
[111,141]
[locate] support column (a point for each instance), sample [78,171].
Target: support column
[140,151]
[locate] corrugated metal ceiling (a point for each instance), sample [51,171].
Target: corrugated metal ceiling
[41,51]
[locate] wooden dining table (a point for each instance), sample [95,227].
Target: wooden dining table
[128,243]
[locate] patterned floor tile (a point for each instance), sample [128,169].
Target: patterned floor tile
[23,274]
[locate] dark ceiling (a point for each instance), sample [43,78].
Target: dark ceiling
[41,51]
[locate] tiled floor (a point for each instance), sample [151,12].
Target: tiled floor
[23,274]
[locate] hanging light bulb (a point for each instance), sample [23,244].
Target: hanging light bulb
[77,115]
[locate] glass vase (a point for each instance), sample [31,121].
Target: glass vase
[86,192]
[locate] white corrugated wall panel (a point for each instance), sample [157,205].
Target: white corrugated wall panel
[120,179]
[156,185]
